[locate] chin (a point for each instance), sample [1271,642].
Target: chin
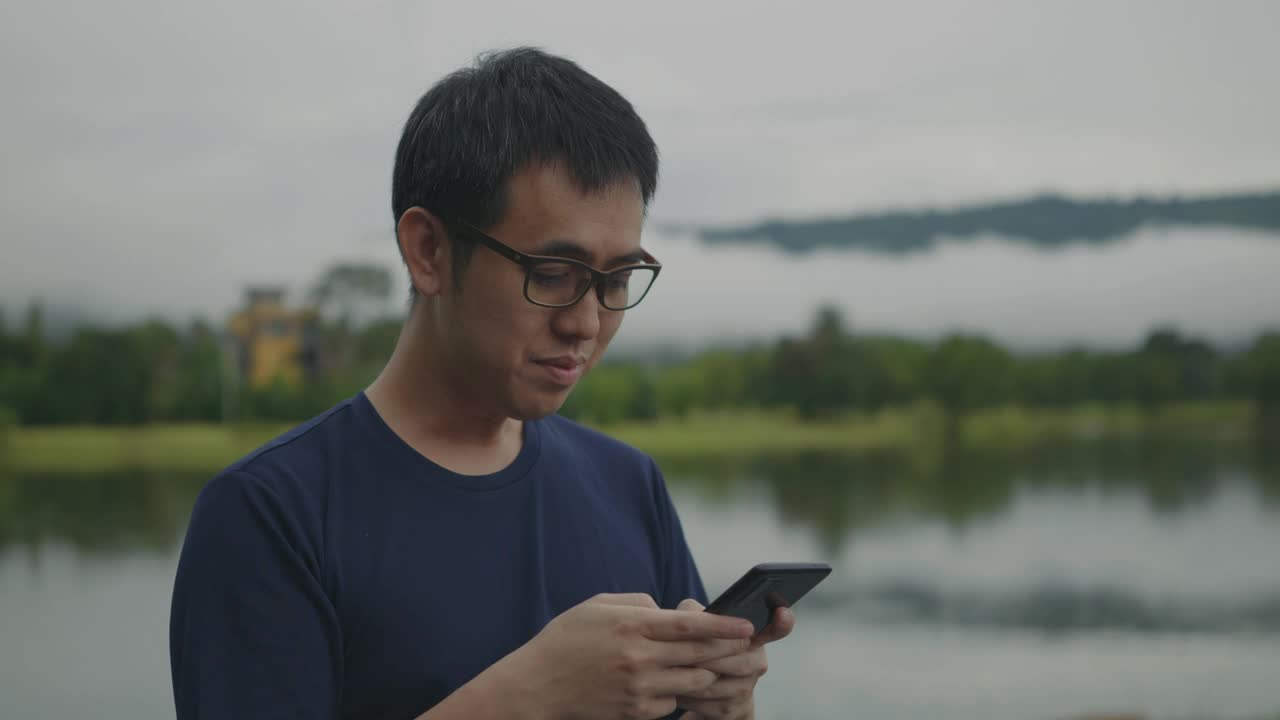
[538,405]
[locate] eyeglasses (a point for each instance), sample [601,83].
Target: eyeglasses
[557,282]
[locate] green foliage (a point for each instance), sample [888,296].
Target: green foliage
[1262,375]
[153,372]
[611,393]
[107,489]
[965,373]
[1057,380]
[1173,368]
[8,421]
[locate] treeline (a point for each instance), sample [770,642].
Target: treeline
[1047,221]
[831,371]
[155,372]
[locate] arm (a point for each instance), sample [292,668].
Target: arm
[253,635]
[251,632]
[680,577]
[614,656]
[495,694]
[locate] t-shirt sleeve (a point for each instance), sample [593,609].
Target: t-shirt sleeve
[251,632]
[680,578]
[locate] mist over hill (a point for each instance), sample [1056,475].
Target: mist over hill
[1047,221]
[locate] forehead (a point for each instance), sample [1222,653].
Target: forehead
[544,205]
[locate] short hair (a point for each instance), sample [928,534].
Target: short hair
[512,110]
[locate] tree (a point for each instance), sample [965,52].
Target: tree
[966,372]
[1263,372]
[347,296]
[815,374]
[200,384]
[612,393]
[352,293]
[1171,368]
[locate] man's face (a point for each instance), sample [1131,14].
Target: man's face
[524,359]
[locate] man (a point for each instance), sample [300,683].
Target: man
[443,545]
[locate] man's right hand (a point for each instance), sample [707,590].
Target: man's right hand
[620,656]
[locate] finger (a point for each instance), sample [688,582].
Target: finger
[730,708]
[784,621]
[752,663]
[627,599]
[678,625]
[697,652]
[670,682]
[722,689]
[690,604]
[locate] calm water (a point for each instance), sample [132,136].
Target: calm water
[1087,579]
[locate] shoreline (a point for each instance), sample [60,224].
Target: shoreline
[919,428]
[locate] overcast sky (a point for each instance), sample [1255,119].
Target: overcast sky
[156,156]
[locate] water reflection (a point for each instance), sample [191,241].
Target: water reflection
[836,495]
[1054,610]
[101,513]
[1044,583]
[832,494]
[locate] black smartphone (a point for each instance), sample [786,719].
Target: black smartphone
[767,586]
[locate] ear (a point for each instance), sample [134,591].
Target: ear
[425,250]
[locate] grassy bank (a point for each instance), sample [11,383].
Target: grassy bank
[927,427]
[207,447]
[185,447]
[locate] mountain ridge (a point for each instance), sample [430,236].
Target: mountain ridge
[1046,220]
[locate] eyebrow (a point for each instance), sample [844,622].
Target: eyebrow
[570,249]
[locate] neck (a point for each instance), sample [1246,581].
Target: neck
[424,399]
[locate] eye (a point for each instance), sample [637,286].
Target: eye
[620,280]
[549,278]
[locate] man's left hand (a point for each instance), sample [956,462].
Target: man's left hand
[732,695]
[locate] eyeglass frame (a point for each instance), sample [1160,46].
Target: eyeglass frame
[528,262]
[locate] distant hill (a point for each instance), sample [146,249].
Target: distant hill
[1046,220]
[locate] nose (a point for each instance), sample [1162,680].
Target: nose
[580,321]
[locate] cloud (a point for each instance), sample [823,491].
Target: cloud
[156,156]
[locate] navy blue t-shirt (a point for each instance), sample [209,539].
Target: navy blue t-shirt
[336,572]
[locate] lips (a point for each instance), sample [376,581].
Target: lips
[563,370]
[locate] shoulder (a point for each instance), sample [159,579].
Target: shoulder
[609,466]
[563,433]
[286,473]
[305,442]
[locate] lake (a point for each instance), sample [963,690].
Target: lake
[1093,578]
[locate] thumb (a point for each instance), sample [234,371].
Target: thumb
[625,599]
[690,604]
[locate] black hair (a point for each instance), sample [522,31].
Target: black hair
[511,110]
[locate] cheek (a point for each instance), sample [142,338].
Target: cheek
[510,334]
[499,330]
[609,324]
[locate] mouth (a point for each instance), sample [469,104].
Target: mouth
[564,370]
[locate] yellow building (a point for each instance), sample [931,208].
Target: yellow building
[272,341]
